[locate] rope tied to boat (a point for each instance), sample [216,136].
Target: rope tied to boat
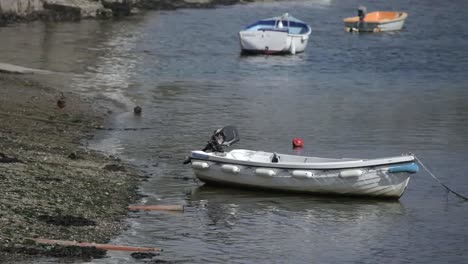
[435,178]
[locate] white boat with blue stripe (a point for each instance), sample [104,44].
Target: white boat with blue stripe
[284,34]
[381,177]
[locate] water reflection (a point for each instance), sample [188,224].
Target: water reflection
[115,67]
[226,207]
[266,61]
[64,47]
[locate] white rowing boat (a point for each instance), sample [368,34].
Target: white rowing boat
[277,35]
[380,177]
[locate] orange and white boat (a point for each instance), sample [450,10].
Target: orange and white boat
[377,21]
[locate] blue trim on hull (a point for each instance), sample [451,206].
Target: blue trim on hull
[410,168]
[270,25]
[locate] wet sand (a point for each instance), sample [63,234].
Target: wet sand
[52,185]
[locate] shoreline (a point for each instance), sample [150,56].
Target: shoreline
[75,10]
[57,188]
[52,185]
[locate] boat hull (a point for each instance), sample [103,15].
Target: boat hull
[375,25]
[376,182]
[272,42]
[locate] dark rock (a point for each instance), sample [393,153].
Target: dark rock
[114,158]
[73,156]
[105,13]
[66,220]
[115,167]
[10,17]
[59,12]
[143,255]
[5,159]
[119,8]
[85,253]
[46,179]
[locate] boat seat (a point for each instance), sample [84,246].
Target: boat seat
[297,30]
[285,29]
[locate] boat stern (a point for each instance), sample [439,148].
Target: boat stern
[264,41]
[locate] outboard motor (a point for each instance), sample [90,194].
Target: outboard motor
[222,137]
[362,13]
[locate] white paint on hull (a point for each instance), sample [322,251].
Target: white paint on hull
[397,25]
[370,177]
[272,42]
[375,27]
[373,182]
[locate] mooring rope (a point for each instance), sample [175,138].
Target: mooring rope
[435,178]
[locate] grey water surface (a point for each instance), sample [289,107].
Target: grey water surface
[347,95]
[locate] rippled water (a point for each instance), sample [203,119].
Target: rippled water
[348,95]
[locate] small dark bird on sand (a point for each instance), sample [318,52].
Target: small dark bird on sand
[61,101]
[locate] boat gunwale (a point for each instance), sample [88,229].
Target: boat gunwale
[304,167]
[355,19]
[278,18]
[310,166]
[309,31]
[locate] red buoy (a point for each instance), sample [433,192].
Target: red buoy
[297,142]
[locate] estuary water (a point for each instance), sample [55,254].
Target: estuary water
[347,95]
